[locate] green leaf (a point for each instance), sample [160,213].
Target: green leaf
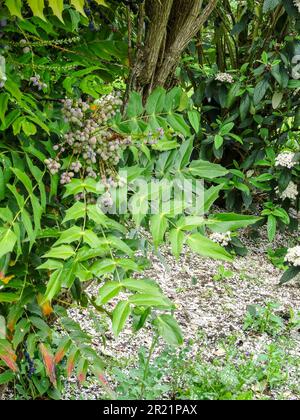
[9,297]
[158,227]
[6,377]
[57,7]
[107,292]
[120,315]
[54,286]
[90,238]
[178,124]
[37,7]
[176,237]
[139,207]
[142,286]
[169,330]
[102,267]
[218,141]
[62,252]
[271,227]
[8,240]
[245,106]
[70,235]
[135,105]
[28,226]
[226,129]
[120,245]
[83,273]
[276,100]
[77,186]
[225,222]
[28,128]
[207,170]
[150,300]
[51,265]
[156,101]
[191,222]
[260,91]
[207,248]
[290,274]
[21,329]
[184,154]
[4,97]
[194,118]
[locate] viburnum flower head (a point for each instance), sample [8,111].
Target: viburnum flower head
[286,160]
[224,78]
[291,192]
[222,239]
[297,4]
[293,256]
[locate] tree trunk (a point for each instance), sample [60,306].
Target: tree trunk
[165,29]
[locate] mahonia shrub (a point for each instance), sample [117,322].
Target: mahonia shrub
[64,149]
[86,166]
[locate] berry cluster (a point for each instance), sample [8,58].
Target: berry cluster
[31,368]
[53,166]
[106,201]
[36,81]
[26,48]
[96,149]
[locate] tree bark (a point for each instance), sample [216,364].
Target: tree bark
[169,27]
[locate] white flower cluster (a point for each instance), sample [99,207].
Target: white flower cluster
[224,78]
[223,239]
[297,4]
[293,256]
[286,160]
[291,192]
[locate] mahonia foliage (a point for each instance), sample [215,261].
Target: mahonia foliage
[68,137]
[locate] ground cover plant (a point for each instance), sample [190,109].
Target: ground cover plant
[126,127]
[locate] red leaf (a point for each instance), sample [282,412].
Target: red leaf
[48,363]
[62,350]
[71,361]
[8,355]
[82,370]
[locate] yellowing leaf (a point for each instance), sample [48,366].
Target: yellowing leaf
[37,7]
[79,6]
[5,279]
[49,363]
[47,309]
[102,3]
[57,7]
[14,7]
